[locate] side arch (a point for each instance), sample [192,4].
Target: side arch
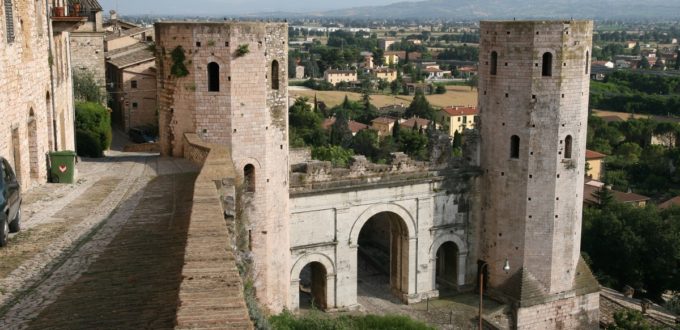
[399,210]
[305,259]
[439,240]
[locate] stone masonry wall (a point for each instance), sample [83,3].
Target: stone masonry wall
[580,312]
[30,101]
[248,114]
[87,55]
[211,293]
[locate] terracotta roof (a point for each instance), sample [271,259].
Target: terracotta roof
[89,5]
[467,69]
[675,201]
[594,155]
[139,54]
[354,126]
[127,33]
[420,122]
[384,120]
[460,111]
[589,196]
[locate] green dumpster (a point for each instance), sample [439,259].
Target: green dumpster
[63,166]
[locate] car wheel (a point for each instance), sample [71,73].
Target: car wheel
[4,231]
[15,225]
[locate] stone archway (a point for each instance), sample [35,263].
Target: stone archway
[383,256]
[312,292]
[444,243]
[321,280]
[446,266]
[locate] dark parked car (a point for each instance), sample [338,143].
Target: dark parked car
[10,201]
[141,135]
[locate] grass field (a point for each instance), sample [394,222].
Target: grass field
[625,116]
[455,95]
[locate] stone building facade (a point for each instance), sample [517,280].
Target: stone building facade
[533,102]
[235,93]
[35,77]
[515,198]
[87,43]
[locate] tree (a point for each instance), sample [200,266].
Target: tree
[305,124]
[644,63]
[382,85]
[413,144]
[394,87]
[630,320]
[341,135]
[677,60]
[366,143]
[396,131]
[337,155]
[441,89]
[472,81]
[419,107]
[85,87]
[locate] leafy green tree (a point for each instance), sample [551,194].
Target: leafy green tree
[413,144]
[337,155]
[366,143]
[394,87]
[419,107]
[341,135]
[441,89]
[85,87]
[305,124]
[93,129]
[644,63]
[382,85]
[472,81]
[396,130]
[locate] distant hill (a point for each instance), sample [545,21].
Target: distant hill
[520,9]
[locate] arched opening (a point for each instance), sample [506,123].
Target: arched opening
[514,146]
[34,165]
[567,147]
[313,287]
[547,65]
[587,62]
[275,75]
[446,271]
[213,77]
[493,63]
[382,259]
[249,178]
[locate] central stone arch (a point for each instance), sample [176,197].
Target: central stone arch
[445,240]
[384,247]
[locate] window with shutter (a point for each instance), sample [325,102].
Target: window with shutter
[9,20]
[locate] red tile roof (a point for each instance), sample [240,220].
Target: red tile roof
[384,120]
[354,126]
[460,111]
[420,122]
[594,155]
[675,201]
[590,197]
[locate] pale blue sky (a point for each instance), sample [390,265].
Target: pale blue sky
[229,7]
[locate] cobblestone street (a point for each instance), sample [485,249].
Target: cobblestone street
[105,252]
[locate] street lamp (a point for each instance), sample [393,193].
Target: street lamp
[506,268]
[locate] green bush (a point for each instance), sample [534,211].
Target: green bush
[337,155]
[88,145]
[319,320]
[94,122]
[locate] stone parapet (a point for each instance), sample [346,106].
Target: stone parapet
[211,293]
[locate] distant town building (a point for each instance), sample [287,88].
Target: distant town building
[385,43]
[595,163]
[383,125]
[458,118]
[87,43]
[385,73]
[336,76]
[354,126]
[131,73]
[299,72]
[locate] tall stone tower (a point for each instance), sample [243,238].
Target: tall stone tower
[227,82]
[533,100]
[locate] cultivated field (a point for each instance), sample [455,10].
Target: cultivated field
[455,95]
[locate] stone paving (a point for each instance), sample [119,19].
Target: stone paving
[83,245]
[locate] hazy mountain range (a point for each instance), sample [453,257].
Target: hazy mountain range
[520,9]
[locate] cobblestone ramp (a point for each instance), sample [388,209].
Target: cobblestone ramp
[134,283]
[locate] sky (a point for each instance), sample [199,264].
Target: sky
[228,7]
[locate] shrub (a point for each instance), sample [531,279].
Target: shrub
[85,87]
[319,320]
[178,68]
[87,144]
[94,122]
[337,155]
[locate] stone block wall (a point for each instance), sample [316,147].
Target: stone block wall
[579,312]
[87,55]
[247,112]
[211,292]
[32,97]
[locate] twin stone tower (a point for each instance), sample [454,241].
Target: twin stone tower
[533,101]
